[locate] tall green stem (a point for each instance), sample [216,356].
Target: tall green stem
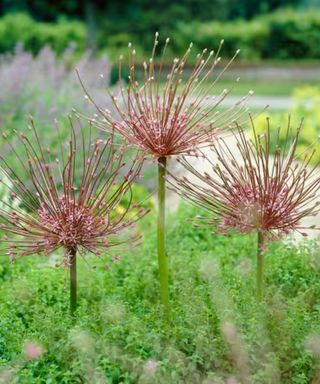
[260,262]
[162,259]
[73,281]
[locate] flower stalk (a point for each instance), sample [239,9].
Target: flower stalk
[260,265]
[73,282]
[162,258]
[257,186]
[68,202]
[168,112]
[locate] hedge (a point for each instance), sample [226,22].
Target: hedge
[285,34]
[33,35]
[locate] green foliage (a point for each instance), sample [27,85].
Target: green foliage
[293,35]
[217,329]
[281,35]
[20,28]
[306,101]
[247,36]
[137,14]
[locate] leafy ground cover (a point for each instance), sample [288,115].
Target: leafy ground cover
[217,333]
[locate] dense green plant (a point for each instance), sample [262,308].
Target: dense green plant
[249,36]
[217,332]
[20,28]
[293,35]
[284,34]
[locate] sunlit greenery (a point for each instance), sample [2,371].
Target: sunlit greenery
[217,328]
[282,35]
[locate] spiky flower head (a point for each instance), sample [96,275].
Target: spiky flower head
[169,111]
[255,186]
[67,202]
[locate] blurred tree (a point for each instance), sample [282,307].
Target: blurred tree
[140,17]
[131,10]
[45,10]
[50,11]
[247,8]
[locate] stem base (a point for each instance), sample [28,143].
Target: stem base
[73,282]
[260,265]
[162,259]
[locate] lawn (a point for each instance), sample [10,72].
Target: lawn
[261,87]
[252,79]
[217,331]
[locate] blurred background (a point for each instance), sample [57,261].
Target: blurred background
[263,29]
[41,42]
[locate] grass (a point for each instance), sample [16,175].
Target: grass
[261,87]
[217,330]
[249,80]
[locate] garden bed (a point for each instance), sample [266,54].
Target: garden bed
[217,329]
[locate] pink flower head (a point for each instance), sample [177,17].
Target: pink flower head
[171,110]
[255,188]
[68,202]
[33,351]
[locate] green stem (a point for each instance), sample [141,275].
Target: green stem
[73,282]
[260,262]
[162,259]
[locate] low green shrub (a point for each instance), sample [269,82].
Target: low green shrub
[284,34]
[293,35]
[247,36]
[33,35]
[217,332]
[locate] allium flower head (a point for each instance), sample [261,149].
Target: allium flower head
[169,111]
[68,202]
[258,187]
[166,111]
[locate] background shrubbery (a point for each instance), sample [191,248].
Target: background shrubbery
[281,35]
[285,34]
[34,35]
